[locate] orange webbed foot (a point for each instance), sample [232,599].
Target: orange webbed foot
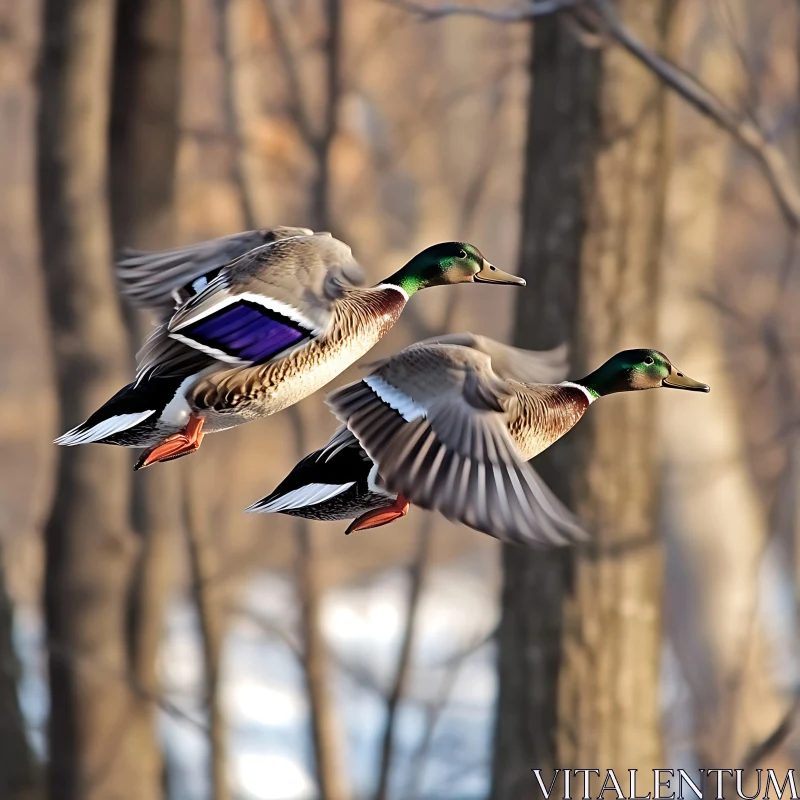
[175,446]
[380,516]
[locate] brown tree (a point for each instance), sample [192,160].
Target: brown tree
[580,635]
[317,133]
[712,504]
[19,772]
[143,153]
[22,413]
[559,156]
[89,543]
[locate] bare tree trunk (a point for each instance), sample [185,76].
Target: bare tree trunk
[327,745]
[212,624]
[324,725]
[321,192]
[709,491]
[579,670]
[88,540]
[309,562]
[310,586]
[144,145]
[19,772]
[609,693]
[233,123]
[145,121]
[417,571]
[559,156]
[21,413]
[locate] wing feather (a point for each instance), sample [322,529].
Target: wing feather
[458,459]
[160,280]
[512,363]
[263,304]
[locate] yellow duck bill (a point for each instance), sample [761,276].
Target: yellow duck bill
[677,380]
[489,273]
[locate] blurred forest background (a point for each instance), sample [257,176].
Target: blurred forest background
[637,162]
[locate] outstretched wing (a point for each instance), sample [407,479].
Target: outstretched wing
[261,306]
[162,280]
[513,363]
[438,432]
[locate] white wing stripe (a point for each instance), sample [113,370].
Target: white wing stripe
[220,355]
[268,302]
[106,427]
[307,495]
[395,399]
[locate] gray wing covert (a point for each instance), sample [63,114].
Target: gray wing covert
[269,301]
[446,445]
[160,280]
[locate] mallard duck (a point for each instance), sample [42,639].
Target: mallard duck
[340,481]
[270,328]
[448,425]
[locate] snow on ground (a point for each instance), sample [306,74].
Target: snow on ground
[449,701]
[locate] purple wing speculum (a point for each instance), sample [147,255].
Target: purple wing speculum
[245,331]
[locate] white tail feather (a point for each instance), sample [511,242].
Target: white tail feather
[308,495]
[104,428]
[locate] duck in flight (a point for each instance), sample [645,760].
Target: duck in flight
[448,424]
[256,335]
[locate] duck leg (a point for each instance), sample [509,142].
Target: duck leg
[380,516]
[174,446]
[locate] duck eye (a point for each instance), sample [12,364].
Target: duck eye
[649,361]
[462,253]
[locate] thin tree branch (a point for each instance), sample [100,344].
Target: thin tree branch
[211,626]
[64,652]
[746,132]
[540,8]
[417,571]
[232,122]
[269,627]
[296,106]
[772,742]
[433,714]
[773,163]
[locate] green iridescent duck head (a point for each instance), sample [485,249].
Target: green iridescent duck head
[449,262]
[632,370]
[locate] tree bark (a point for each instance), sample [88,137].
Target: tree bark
[25,417]
[310,587]
[559,157]
[580,636]
[87,536]
[144,143]
[417,572]
[145,121]
[310,560]
[324,724]
[709,490]
[609,693]
[19,771]
[202,563]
